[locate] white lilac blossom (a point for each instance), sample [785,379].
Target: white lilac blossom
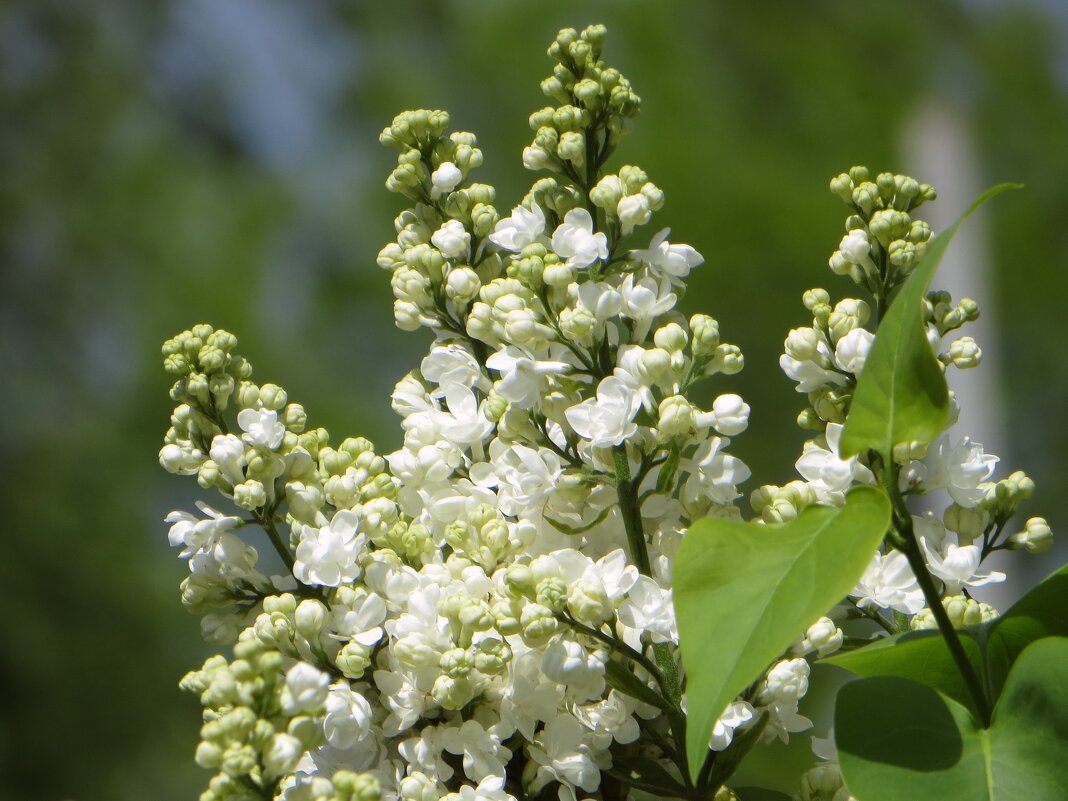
[262,428]
[607,419]
[329,555]
[673,262]
[826,472]
[889,583]
[486,612]
[957,565]
[960,468]
[736,715]
[523,228]
[575,241]
[195,534]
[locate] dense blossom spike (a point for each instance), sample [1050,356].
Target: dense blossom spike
[486,613]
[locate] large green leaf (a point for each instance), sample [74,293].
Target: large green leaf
[901,741]
[901,394]
[744,593]
[1043,612]
[993,647]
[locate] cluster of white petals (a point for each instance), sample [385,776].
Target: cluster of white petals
[487,612]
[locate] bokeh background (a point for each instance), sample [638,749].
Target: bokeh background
[181,161]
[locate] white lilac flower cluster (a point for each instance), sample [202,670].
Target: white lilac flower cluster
[883,243]
[474,611]
[480,605]
[486,613]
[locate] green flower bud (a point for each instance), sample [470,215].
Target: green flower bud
[677,417]
[248,394]
[454,663]
[1037,537]
[353,659]
[209,755]
[538,624]
[572,147]
[808,420]
[282,754]
[351,786]
[705,331]
[552,593]
[842,185]
[903,254]
[506,618]
[250,495]
[961,610]
[655,365]
[964,353]
[858,174]
[803,344]
[728,360]
[452,693]
[307,729]
[273,397]
[239,760]
[671,337]
[491,656]
[588,603]
[968,523]
[919,232]
[310,617]
[294,418]
[209,476]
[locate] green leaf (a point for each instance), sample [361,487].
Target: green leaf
[744,593]
[620,678]
[901,394]
[1041,613]
[921,656]
[992,647]
[902,741]
[646,776]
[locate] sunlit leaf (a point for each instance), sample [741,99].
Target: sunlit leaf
[902,741]
[901,395]
[744,593]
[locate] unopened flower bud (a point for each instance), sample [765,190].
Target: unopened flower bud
[462,285]
[1035,538]
[677,417]
[310,616]
[670,337]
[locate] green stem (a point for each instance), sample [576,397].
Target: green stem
[618,646]
[267,523]
[628,506]
[910,546]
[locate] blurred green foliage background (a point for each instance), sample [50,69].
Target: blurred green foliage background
[181,161]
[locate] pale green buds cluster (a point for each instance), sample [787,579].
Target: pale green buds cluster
[684,352]
[969,523]
[209,372]
[592,97]
[431,164]
[344,785]
[627,198]
[823,783]
[439,261]
[253,734]
[946,316]
[962,611]
[1004,496]
[781,504]
[883,243]
[1035,538]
